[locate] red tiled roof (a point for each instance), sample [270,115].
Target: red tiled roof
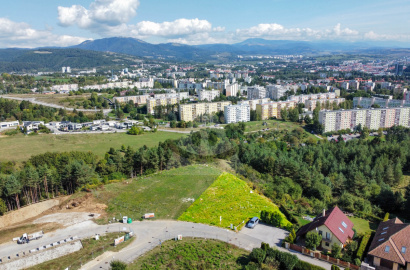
[395,234]
[333,220]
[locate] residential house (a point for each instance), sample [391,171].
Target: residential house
[32,125]
[390,248]
[334,227]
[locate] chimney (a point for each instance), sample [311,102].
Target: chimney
[324,213]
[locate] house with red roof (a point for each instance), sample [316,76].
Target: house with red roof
[334,227]
[390,248]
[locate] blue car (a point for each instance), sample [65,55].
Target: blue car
[252,223]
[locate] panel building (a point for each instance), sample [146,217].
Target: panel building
[237,113]
[189,112]
[253,102]
[272,109]
[208,95]
[256,92]
[373,118]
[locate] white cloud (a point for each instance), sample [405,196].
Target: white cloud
[278,31]
[20,34]
[202,38]
[177,27]
[100,13]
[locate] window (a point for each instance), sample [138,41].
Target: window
[327,244]
[383,233]
[385,228]
[341,230]
[381,239]
[387,249]
[344,224]
[327,235]
[320,232]
[403,250]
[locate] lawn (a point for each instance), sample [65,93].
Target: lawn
[193,254]
[21,147]
[231,199]
[58,99]
[362,226]
[167,194]
[91,249]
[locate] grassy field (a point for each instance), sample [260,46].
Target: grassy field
[230,198]
[166,194]
[21,147]
[91,249]
[58,99]
[193,254]
[362,226]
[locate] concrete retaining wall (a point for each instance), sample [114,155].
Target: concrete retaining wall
[41,256]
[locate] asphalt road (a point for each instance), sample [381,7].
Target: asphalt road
[150,233]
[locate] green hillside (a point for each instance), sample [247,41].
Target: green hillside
[232,199]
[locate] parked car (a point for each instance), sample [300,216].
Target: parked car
[252,223]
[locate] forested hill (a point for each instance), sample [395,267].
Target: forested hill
[19,60]
[362,176]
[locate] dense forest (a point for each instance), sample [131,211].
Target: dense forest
[361,176]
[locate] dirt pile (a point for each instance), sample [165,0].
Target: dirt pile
[86,203]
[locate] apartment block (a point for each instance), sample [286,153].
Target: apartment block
[253,102]
[256,92]
[141,99]
[155,102]
[304,98]
[237,113]
[189,112]
[276,91]
[232,89]
[383,103]
[272,109]
[208,95]
[312,103]
[373,118]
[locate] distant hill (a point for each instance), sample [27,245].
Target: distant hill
[19,60]
[141,48]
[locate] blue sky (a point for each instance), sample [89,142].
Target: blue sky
[69,22]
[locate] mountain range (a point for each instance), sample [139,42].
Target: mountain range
[116,51]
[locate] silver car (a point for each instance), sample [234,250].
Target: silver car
[252,223]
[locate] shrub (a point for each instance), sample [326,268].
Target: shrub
[313,240]
[3,207]
[363,245]
[357,261]
[290,217]
[118,265]
[287,261]
[258,255]
[302,265]
[336,250]
[335,267]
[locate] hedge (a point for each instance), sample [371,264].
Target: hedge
[290,217]
[363,245]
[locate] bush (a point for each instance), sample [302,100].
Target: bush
[336,250]
[3,207]
[118,265]
[302,265]
[363,245]
[386,217]
[357,261]
[258,255]
[335,267]
[290,217]
[287,261]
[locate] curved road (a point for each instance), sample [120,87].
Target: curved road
[149,234]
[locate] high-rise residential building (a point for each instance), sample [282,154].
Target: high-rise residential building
[152,103]
[344,85]
[398,70]
[381,102]
[189,112]
[237,113]
[373,118]
[208,95]
[256,92]
[276,91]
[311,104]
[304,98]
[140,100]
[253,102]
[232,89]
[273,109]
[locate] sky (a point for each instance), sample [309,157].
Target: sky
[38,23]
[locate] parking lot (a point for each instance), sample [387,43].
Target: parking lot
[266,233]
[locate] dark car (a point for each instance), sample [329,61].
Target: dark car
[252,223]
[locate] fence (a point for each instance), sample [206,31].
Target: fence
[321,256]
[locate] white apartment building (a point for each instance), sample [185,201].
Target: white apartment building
[344,85]
[65,87]
[232,89]
[141,99]
[304,98]
[163,101]
[208,94]
[237,113]
[383,103]
[189,112]
[311,104]
[186,84]
[11,124]
[276,91]
[253,102]
[373,118]
[256,92]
